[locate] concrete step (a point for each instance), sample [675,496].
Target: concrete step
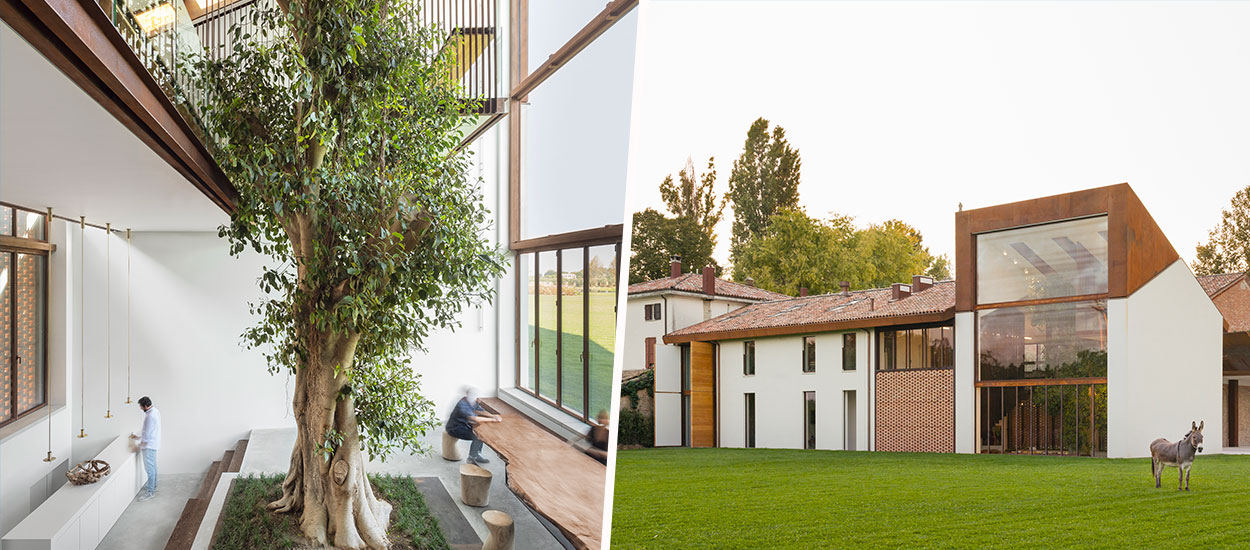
[237,463]
[210,481]
[188,525]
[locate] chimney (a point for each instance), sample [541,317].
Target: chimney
[674,267]
[750,281]
[898,291]
[802,291]
[709,280]
[920,282]
[846,288]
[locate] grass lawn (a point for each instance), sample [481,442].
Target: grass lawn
[246,525]
[759,498]
[602,343]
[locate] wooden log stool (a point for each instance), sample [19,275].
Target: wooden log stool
[451,447]
[500,526]
[474,485]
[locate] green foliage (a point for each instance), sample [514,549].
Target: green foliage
[689,233]
[634,428]
[642,382]
[247,525]
[337,123]
[764,181]
[657,238]
[1227,249]
[411,516]
[676,499]
[798,251]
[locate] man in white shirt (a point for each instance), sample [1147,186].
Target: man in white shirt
[149,443]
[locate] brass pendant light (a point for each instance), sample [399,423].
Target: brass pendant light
[128,316]
[48,327]
[108,320]
[82,343]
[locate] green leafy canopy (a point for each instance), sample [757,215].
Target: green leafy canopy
[337,122]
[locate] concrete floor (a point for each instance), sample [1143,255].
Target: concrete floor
[269,452]
[146,525]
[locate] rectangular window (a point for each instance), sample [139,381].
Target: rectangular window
[23,314]
[916,348]
[1067,419]
[809,354]
[1043,261]
[848,351]
[568,307]
[652,312]
[748,358]
[750,416]
[1066,340]
[650,352]
[809,420]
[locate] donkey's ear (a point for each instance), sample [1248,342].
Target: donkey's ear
[1195,425]
[1200,425]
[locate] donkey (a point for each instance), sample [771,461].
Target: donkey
[1180,454]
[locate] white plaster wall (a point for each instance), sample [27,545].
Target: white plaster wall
[638,329]
[778,385]
[188,307]
[1164,364]
[965,379]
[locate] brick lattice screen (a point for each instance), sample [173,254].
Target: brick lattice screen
[916,411]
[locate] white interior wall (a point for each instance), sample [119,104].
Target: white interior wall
[1165,354]
[778,385]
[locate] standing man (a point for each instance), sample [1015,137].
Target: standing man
[149,443]
[467,414]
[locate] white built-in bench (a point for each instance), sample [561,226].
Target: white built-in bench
[76,517]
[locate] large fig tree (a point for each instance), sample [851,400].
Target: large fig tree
[337,121]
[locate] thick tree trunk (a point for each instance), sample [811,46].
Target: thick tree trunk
[333,496]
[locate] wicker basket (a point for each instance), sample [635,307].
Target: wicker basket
[88,472]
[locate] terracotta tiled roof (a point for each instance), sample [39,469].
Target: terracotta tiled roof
[1213,284]
[824,310]
[693,282]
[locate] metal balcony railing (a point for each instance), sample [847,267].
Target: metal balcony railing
[166,35]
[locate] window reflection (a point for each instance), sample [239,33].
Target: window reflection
[1067,340]
[1044,261]
[917,348]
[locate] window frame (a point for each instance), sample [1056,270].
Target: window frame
[522,293]
[12,244]
[749,417]
[748,358]
[809,355]
[890,359]
[809,420]
[849,338]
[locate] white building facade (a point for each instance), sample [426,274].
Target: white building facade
[1073,328]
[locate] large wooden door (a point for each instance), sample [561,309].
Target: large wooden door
[702,395]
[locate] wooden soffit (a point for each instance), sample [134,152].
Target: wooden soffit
[1137,249]
[79,39]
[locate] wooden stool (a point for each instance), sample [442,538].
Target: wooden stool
[500,526]
[451,449]
[474,485]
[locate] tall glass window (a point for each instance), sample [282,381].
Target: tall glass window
[750,417]
[1043,261]
[748,358]
[569,306]
[848,351]
[809,420]
[809,354]
[1066,340]
[23,314]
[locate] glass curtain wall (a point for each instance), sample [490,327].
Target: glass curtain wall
[1042,358]
[569,302]
[916,348]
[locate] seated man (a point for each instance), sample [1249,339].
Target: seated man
[467,414]
[598,438]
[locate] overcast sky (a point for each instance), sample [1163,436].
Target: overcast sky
[904,110]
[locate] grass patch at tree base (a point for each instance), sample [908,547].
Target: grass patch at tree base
[247,525]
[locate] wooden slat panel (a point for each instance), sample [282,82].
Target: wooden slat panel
[702,396]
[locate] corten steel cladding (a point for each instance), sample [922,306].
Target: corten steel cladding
[916,411]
